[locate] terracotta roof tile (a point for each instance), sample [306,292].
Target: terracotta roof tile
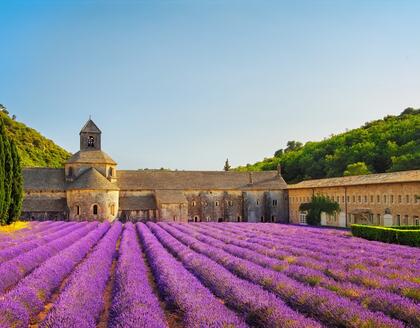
[198,180]
[40,179]
[91,157]
[394,177]
[44,205]
[170,197]
[132,203]
[91,179]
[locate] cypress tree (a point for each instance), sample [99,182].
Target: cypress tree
[8,178]
[17,186]
[2,161]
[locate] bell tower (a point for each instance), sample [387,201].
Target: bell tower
[90,137]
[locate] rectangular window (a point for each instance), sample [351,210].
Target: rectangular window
[399,199]
[398,219]
[230,203]
[391,198]
[378,219]
[407,199]
[371,198]
[384,199]
[366,199]
[416,220]
[378,199]
[217,203]
[342,199]
[360,199]
[274,202]
[302,218]
[354,199]
[405,220]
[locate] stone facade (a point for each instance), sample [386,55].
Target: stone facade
[377,199]
[90,187]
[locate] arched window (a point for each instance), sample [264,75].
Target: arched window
[196,218]
[111,172]
[95,209]
[91,141]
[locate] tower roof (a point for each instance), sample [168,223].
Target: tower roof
[90,127]
[92,179]
[91,157]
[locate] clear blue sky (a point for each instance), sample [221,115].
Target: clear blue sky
[185,84]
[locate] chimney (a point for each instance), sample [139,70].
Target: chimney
[279,169]
[250,177]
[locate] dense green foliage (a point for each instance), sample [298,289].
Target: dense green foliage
[390,144]
[387,235]
[33,148]
[408,227]
[359,168]
[316,206]
[11,182]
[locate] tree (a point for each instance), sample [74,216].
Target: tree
[410,110]
[17,187]
[8,178]
[359,168]
[278,153]
[293,145]
[227,166]
[2,190]
[318,204]
[11,181]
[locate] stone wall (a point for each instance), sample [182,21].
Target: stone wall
[85,200]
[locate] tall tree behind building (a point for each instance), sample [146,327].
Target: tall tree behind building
[227,165]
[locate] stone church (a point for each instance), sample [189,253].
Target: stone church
[90,187]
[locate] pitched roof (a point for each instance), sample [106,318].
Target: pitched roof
[131,203]
[38,179]
[170,197]
[394,177]
[91,179]
[90,127]
[199,180]
[41,179]
[44,205]
[91,157]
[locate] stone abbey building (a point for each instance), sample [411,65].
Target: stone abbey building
[90,187]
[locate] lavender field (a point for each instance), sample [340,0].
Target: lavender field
[89,274]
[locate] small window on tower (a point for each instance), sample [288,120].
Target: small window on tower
[91,141]
[95,209]
[111,172]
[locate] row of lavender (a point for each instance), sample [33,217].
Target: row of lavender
[211,275]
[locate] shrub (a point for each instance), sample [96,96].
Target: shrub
[395,235]
[408,227]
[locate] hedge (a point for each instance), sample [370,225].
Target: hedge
[408,227]
[388,235]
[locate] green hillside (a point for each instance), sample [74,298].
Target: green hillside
[390,144]
[34,149]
